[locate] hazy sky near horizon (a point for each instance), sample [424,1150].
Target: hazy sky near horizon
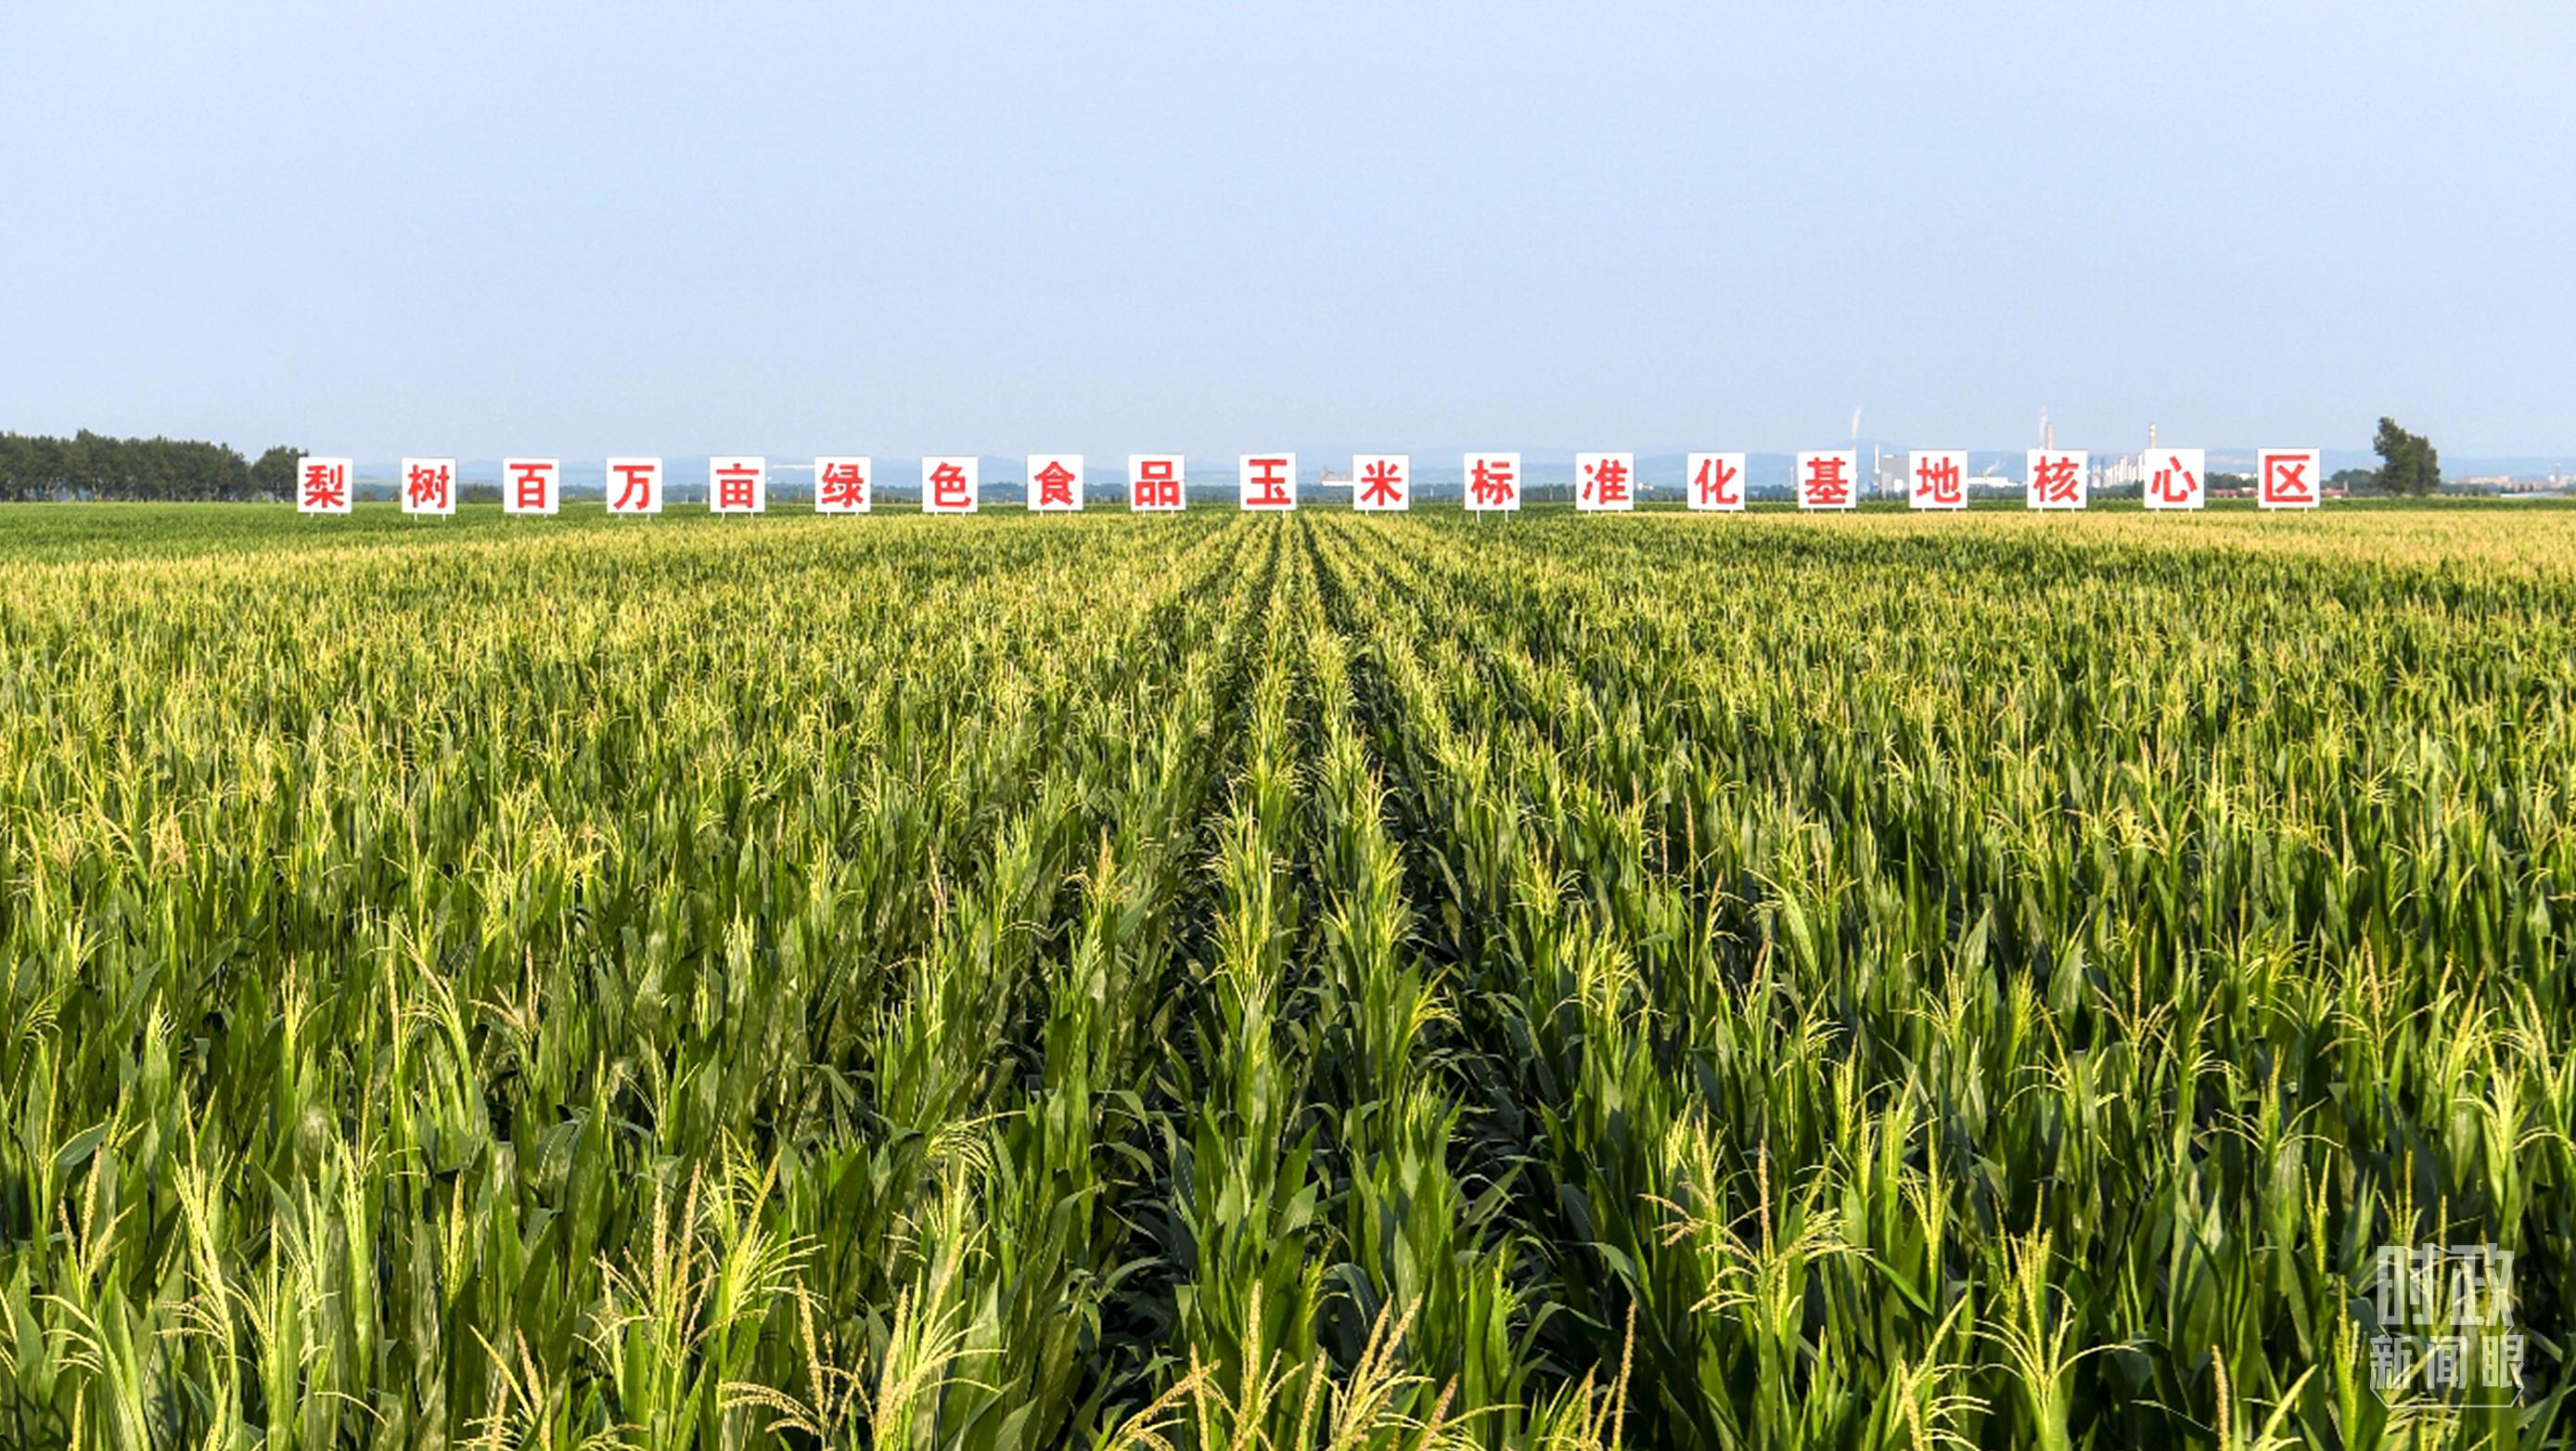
[585,229]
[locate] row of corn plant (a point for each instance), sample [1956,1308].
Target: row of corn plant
[490,996]
[1844,909]
[1332,981]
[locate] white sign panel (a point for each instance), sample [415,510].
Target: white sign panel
[531,485]
[737,485]
[1828,480]
[1493,482]
[948,484]
[2175,479]
[2289,478]
[1155,482]
[1382,483]
[2056,478]
[1605,482]
[1937,478]
[1268,481]
[429,485]
[634,486]
[1055,483]
[323,485]
[843,484]
[1717,482]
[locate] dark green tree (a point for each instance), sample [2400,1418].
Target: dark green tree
[273,477]
[2407,462]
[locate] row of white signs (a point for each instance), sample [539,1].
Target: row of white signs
[1380,482]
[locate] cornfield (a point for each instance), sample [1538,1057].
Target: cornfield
[1208,981]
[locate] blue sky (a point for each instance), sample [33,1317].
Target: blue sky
[583,229]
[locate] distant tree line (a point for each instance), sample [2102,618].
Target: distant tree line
[92,466]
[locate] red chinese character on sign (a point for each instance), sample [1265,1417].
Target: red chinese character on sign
[737,487]
[426,486]
[1381,484]
[2285,481]
[326,486]
[1156,485]
[1492,483]
[1266,484]
[635,486]
[1606,483]
[844,486]
[948,486]
[1055,485]
[1937,481]
[2174,482]
[2055,480]
[1826,485]
[1716,482]
[529,484]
